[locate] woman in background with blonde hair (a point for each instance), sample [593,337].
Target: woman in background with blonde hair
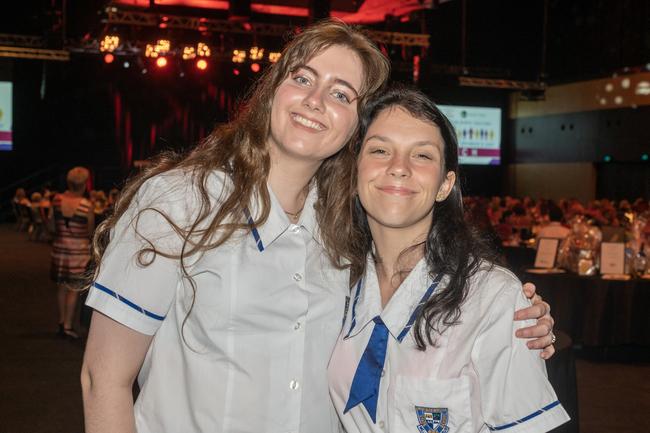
[73,220]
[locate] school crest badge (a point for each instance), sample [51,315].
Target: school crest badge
[432,419]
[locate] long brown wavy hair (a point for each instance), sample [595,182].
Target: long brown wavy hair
[239,149]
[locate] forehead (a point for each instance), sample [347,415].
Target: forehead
[397,124]
[338,61]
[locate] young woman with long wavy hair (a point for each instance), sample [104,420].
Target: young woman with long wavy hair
[221,277]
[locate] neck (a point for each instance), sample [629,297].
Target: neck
[289,181]
[397,252]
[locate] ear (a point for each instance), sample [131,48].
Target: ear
[447,185]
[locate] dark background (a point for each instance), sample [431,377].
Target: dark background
[82,112]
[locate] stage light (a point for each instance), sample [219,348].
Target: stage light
[161,62]
[109,43]
[255,67]
[235,71]
[203,50]
[645,157]
[163,22]
[202,64]
[161,48]
[256,53]
[274,56]
[108,58]
[238,56]
[126,65]
[188,53]
[607,158]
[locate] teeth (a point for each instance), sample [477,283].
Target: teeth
[308,123]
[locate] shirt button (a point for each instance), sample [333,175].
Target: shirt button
[297,277]
[297,326]
[294,229]
[294,384]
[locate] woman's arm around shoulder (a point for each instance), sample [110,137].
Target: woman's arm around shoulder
[114,354]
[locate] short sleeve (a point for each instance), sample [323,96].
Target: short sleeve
[516,396]
[126,290]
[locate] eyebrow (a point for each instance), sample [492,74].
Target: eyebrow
[336,80]
[385,139]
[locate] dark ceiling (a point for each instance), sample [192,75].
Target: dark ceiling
[503,38]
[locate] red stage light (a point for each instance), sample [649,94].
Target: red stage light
[161,62]
[235,71]
[202,64]
[108,58]
[255,67]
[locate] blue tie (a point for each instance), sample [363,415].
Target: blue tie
[365,385]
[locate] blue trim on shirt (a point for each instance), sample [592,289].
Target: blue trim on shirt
[354,308]
[424,299]
[127,302]
[526,418]
[256,234]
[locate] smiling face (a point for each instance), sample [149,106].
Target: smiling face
[314,111]
[400,172]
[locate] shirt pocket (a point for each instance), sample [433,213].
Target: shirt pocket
[443,405]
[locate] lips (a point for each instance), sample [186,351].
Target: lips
[396,190]
[307,123]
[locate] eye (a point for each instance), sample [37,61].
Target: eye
[377,151]
[341,96]
[425,156]
[301,79]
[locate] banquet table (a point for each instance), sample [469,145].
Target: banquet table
[593,311]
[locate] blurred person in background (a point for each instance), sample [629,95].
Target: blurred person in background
[74,222]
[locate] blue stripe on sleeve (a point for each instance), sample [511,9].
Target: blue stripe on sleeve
[127,302]
[526,418]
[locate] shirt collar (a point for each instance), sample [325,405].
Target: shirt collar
[402,304]
[278,222]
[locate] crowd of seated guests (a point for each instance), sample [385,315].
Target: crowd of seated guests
[510,221]
[33,212]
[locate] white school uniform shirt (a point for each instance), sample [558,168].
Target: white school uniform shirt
[268,308]
[479,378]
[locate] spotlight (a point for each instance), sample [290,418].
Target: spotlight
[161,62]
[238,56]
[203,50]
[108,58]
[109,43]
[274,56]
[188,53]
[607,158]
[255,67]
[126,65]
[201,64]
[645,157]
[235,72]
[256,53]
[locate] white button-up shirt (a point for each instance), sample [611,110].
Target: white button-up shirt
[478,378]
[253,352]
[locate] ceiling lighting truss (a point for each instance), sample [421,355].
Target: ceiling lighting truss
[118,16]
[34,53]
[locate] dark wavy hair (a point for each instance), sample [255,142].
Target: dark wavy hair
[451,247]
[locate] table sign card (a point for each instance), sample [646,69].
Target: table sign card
[546,253]
[612,258]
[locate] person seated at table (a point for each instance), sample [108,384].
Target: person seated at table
[554,229]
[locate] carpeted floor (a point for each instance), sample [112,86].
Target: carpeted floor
[39,372]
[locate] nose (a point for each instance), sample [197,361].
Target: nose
[399,166]
[314,99]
